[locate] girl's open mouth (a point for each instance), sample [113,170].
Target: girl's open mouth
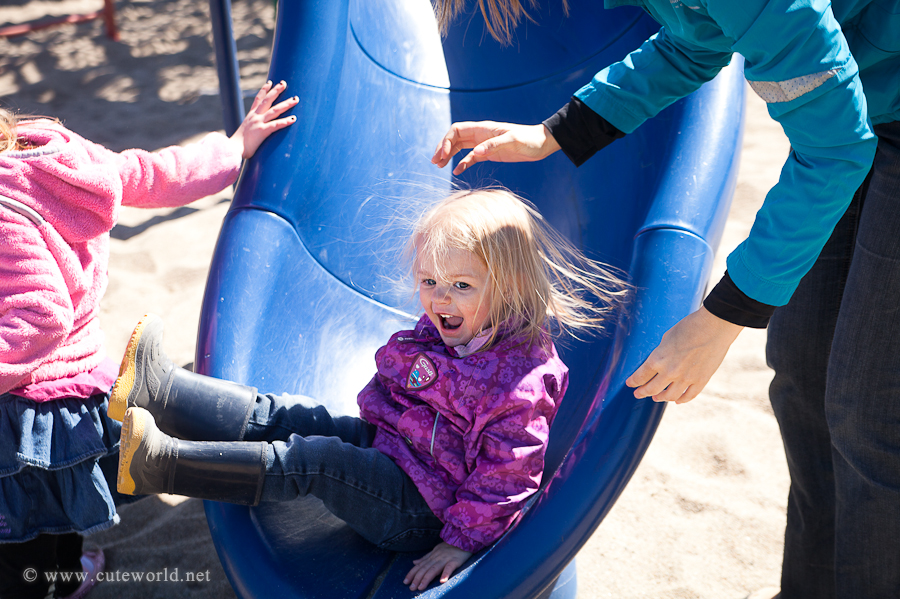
[450,322]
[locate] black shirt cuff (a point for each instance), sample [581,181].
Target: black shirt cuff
[581,132]
[730,303]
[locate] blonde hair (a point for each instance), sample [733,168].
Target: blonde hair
[541,284]
[9,140]
[500,16]
[10,123]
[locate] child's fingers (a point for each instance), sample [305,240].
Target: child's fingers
[272,126]
[260,95]
[424,577]
[286,121]
[448,572]
[280,108]
[425,570]
[266,96]
[275,91]
[414,578]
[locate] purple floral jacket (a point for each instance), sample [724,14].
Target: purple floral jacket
[470,429]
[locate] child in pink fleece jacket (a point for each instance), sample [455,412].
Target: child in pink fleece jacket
[59,197]
[453,428]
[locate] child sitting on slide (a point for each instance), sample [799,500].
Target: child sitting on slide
[453,427]
[59,197]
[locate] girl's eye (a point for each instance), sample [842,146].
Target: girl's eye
[461,285]
[428,282]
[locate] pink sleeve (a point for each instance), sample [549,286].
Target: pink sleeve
[36,312]
[178,175]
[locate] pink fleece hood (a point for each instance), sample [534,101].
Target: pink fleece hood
[62,181]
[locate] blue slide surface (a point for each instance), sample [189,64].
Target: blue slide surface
[301,290]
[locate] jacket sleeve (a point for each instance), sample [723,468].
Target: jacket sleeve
[36,312]
[733,305]
[798,61]
[507,467]
[581,132]
[664,69]
[178,175]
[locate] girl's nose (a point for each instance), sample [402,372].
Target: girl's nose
[442,295]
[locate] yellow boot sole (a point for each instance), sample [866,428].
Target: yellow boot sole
[130,441]
[118,399]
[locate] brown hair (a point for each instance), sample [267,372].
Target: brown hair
[500,16]
[538,278]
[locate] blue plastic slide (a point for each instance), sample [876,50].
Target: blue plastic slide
[302,288]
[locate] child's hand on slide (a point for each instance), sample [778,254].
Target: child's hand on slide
[443,559]
[262,120]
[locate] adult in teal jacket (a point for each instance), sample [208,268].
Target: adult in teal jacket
[820,268]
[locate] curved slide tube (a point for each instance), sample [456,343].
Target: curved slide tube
[299,294]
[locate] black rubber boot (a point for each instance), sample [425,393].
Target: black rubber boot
[152,462]
[184,404]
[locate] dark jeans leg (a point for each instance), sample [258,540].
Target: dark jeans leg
[799,344]
[835,392]
[313,453]
[277,417]
[361,486]
[862,400]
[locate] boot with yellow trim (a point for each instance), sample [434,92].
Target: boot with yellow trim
[152,462]
[184,404]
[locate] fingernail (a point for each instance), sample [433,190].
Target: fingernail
[269,82]
[283,82]
[293,118]
[296,98]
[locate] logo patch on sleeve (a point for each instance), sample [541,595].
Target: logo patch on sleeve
[422,373]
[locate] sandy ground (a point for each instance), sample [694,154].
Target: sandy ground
[703,516]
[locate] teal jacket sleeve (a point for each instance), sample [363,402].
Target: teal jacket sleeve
[664,69]
[797,60]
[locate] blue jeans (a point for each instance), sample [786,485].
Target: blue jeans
[835,349]
[330,457]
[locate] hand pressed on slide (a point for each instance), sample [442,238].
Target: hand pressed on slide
[687,357]
[500,142]
[262,120]
[443,560]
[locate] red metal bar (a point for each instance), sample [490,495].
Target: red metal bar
[108,13]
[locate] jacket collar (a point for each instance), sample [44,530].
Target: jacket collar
[425,329]
[474,344]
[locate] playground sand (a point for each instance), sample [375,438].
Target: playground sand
[703,516]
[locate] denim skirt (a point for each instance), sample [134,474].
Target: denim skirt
[57,467]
